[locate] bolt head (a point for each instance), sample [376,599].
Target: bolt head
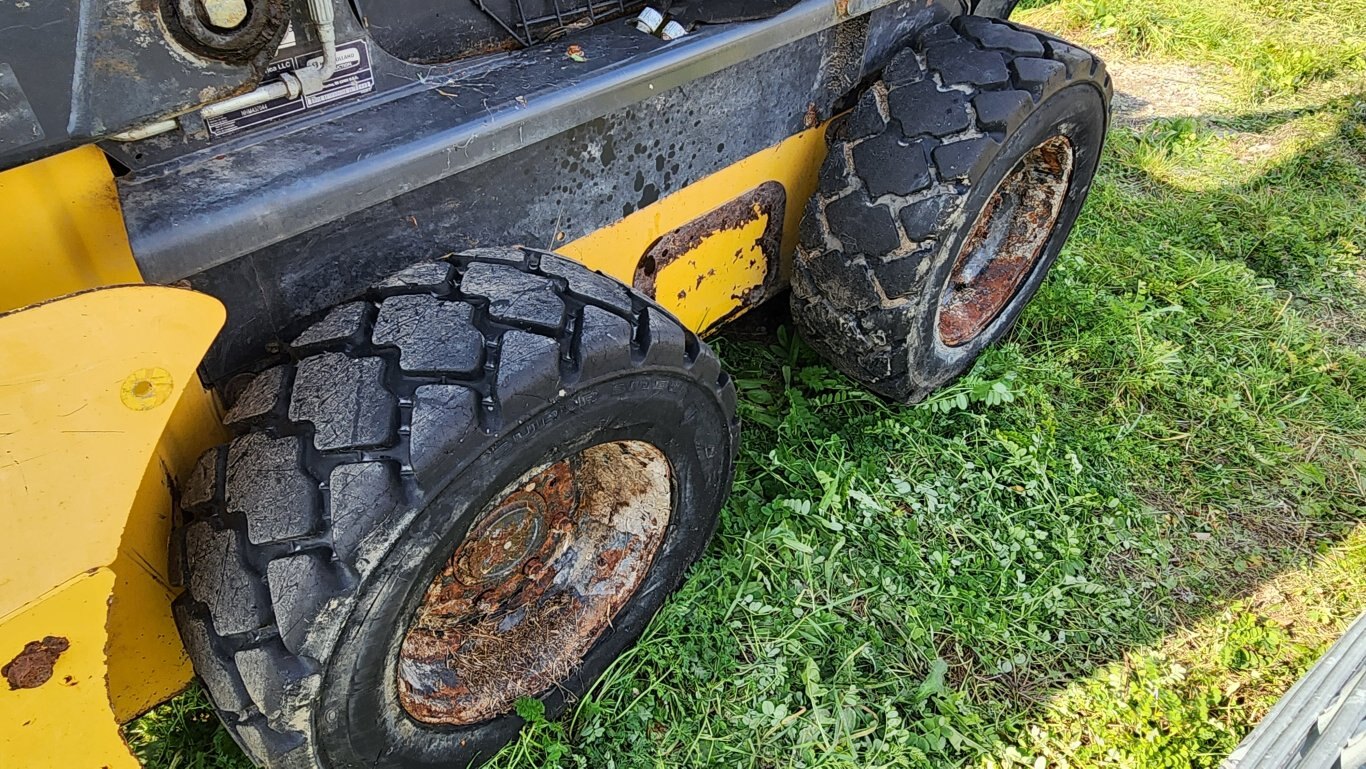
[225,14]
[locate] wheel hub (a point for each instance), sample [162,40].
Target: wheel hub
[535,583]
[1005,242]
[506,539]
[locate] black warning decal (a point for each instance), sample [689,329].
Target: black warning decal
[353,76]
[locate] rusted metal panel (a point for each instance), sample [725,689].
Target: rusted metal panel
[722,262]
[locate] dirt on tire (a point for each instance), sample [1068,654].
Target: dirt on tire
[908,171]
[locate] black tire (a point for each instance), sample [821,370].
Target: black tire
[909,170]
[308,540]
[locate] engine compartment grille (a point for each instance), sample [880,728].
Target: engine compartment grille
[537,21]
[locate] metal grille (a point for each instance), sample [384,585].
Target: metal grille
[535,21]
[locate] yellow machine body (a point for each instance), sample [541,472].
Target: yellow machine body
[101,410]
[720,265]
[88,388]
[65,229]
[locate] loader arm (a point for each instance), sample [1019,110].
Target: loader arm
[89,385]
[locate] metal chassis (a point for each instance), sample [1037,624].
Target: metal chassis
[290,219]
[501,104]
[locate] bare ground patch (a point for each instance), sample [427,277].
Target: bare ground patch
[1146,91]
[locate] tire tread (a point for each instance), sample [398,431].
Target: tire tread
[917,138]
[335,442]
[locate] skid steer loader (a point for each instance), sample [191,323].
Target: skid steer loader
[350,353]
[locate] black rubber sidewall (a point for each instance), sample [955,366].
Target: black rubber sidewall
[360,721]
[1077,111]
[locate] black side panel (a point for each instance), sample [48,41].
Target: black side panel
[202,206]
[429,32]
[689,12]
[573,183]
[89,68]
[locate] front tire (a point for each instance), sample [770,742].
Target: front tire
[475,484]
[946,195]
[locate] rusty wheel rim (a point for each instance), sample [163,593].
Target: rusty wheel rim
[1005,242]
[537,580]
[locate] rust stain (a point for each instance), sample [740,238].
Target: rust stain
[115,66]
[33,666]
[536,581]
[608,560]
[842,7]
[812,118]
[768,199]
[492,45]
[1005,243]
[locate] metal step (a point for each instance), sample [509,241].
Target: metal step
[1321,722]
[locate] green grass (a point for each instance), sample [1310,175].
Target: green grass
[1275,48]
[1116,542]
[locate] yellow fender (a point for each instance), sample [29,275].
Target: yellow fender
[89,385]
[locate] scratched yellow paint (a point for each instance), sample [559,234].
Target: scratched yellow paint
[708,283]
[147,662]
[616,250]
[72,453]
[65,723]
[64,234]
[83,479]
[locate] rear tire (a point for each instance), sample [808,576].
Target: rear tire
[910,201]
[313,544]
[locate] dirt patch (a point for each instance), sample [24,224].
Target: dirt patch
[1147,91]
[33,666]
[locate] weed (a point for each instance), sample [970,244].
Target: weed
[184,734]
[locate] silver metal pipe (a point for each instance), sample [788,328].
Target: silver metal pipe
[291,85]
[277,90]
[145,131]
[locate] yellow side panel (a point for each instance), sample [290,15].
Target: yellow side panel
[617,250]
[88,386]
[147,662]
[64,723]
[63,229]
[64,234]
[708,283]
